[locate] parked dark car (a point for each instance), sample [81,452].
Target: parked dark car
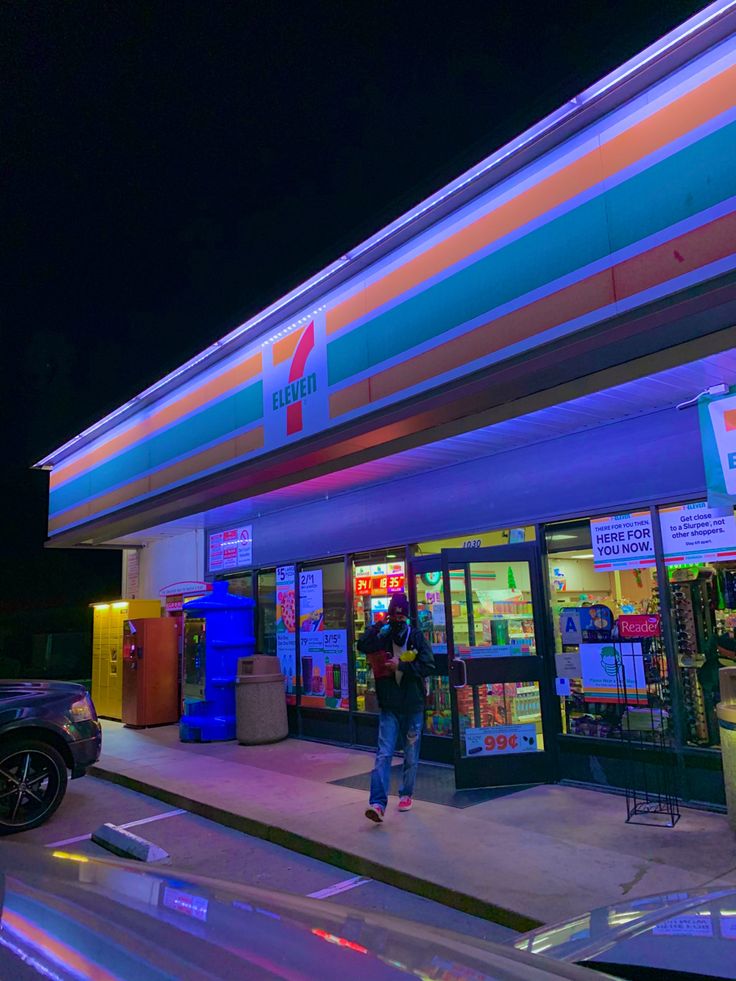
[46,729]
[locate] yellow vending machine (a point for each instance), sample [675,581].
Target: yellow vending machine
[107,650]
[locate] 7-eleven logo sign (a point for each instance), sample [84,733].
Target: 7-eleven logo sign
[293,405]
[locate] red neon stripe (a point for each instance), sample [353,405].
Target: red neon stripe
[303,350]
[294,415]
[294,418]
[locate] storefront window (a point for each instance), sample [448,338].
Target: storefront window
[376,577]
[611,665]
[323,636]
[240,583]
[699,545]
[266,640]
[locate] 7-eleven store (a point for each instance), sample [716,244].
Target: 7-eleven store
[479,405]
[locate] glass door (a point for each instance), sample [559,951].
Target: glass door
[494,607]
[427,600]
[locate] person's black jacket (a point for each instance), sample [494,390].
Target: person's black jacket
[409,695]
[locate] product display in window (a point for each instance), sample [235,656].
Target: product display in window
[703,600]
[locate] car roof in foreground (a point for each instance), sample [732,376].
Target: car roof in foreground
[72,915]
[674,935]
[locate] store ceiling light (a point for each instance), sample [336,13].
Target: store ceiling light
[561,537]
[583,555]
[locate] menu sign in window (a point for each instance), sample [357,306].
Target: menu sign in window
[697,533]
[231,549]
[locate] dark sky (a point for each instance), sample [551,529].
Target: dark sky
[170,168]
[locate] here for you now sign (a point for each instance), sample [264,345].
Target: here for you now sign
[622,541]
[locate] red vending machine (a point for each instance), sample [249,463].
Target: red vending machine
[150,672]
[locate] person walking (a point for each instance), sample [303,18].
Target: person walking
[400,659]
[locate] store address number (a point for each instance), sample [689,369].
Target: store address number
[472,543]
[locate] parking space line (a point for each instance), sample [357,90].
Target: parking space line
[153,817]
[129,824]
[339,887]
[68,841]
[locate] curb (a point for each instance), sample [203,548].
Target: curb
[326,853]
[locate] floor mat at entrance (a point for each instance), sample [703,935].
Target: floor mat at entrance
[435,784]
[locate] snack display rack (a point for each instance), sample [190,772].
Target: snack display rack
[646,732]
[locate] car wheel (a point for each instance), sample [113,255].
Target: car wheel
[32,784]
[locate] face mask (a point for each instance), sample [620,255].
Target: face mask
[399,632]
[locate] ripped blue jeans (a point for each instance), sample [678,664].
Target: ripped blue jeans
[393,727]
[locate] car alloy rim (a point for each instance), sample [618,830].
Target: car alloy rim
[29,783]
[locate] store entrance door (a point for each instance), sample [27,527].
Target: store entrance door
[494,607]
[426,599]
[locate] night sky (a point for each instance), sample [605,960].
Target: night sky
[169,169]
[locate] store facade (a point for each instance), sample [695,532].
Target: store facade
[510,587]
[464,408]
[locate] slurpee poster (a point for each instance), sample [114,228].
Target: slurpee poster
[286,628]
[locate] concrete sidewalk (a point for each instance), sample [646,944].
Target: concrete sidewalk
[535,856]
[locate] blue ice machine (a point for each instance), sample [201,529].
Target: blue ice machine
[228,635]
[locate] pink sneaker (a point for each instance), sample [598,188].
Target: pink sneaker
[405,803]
[375,813]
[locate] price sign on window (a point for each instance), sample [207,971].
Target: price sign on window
[363,586]
[500,740]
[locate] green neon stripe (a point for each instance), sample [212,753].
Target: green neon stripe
[672,190]
[213,423]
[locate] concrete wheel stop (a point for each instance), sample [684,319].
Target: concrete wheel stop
[127,845]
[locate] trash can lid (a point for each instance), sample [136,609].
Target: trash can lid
[258,664]
[259,679]
[726,712]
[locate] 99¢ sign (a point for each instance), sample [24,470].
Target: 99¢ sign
[501,740]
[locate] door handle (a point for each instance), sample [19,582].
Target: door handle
[459,660]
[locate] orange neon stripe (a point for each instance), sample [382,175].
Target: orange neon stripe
[683,254]
[284,349]
[45,941]
[228,450]
[667,124]
[211,389]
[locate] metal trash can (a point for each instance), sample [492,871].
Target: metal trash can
[726,712]
[260,701]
